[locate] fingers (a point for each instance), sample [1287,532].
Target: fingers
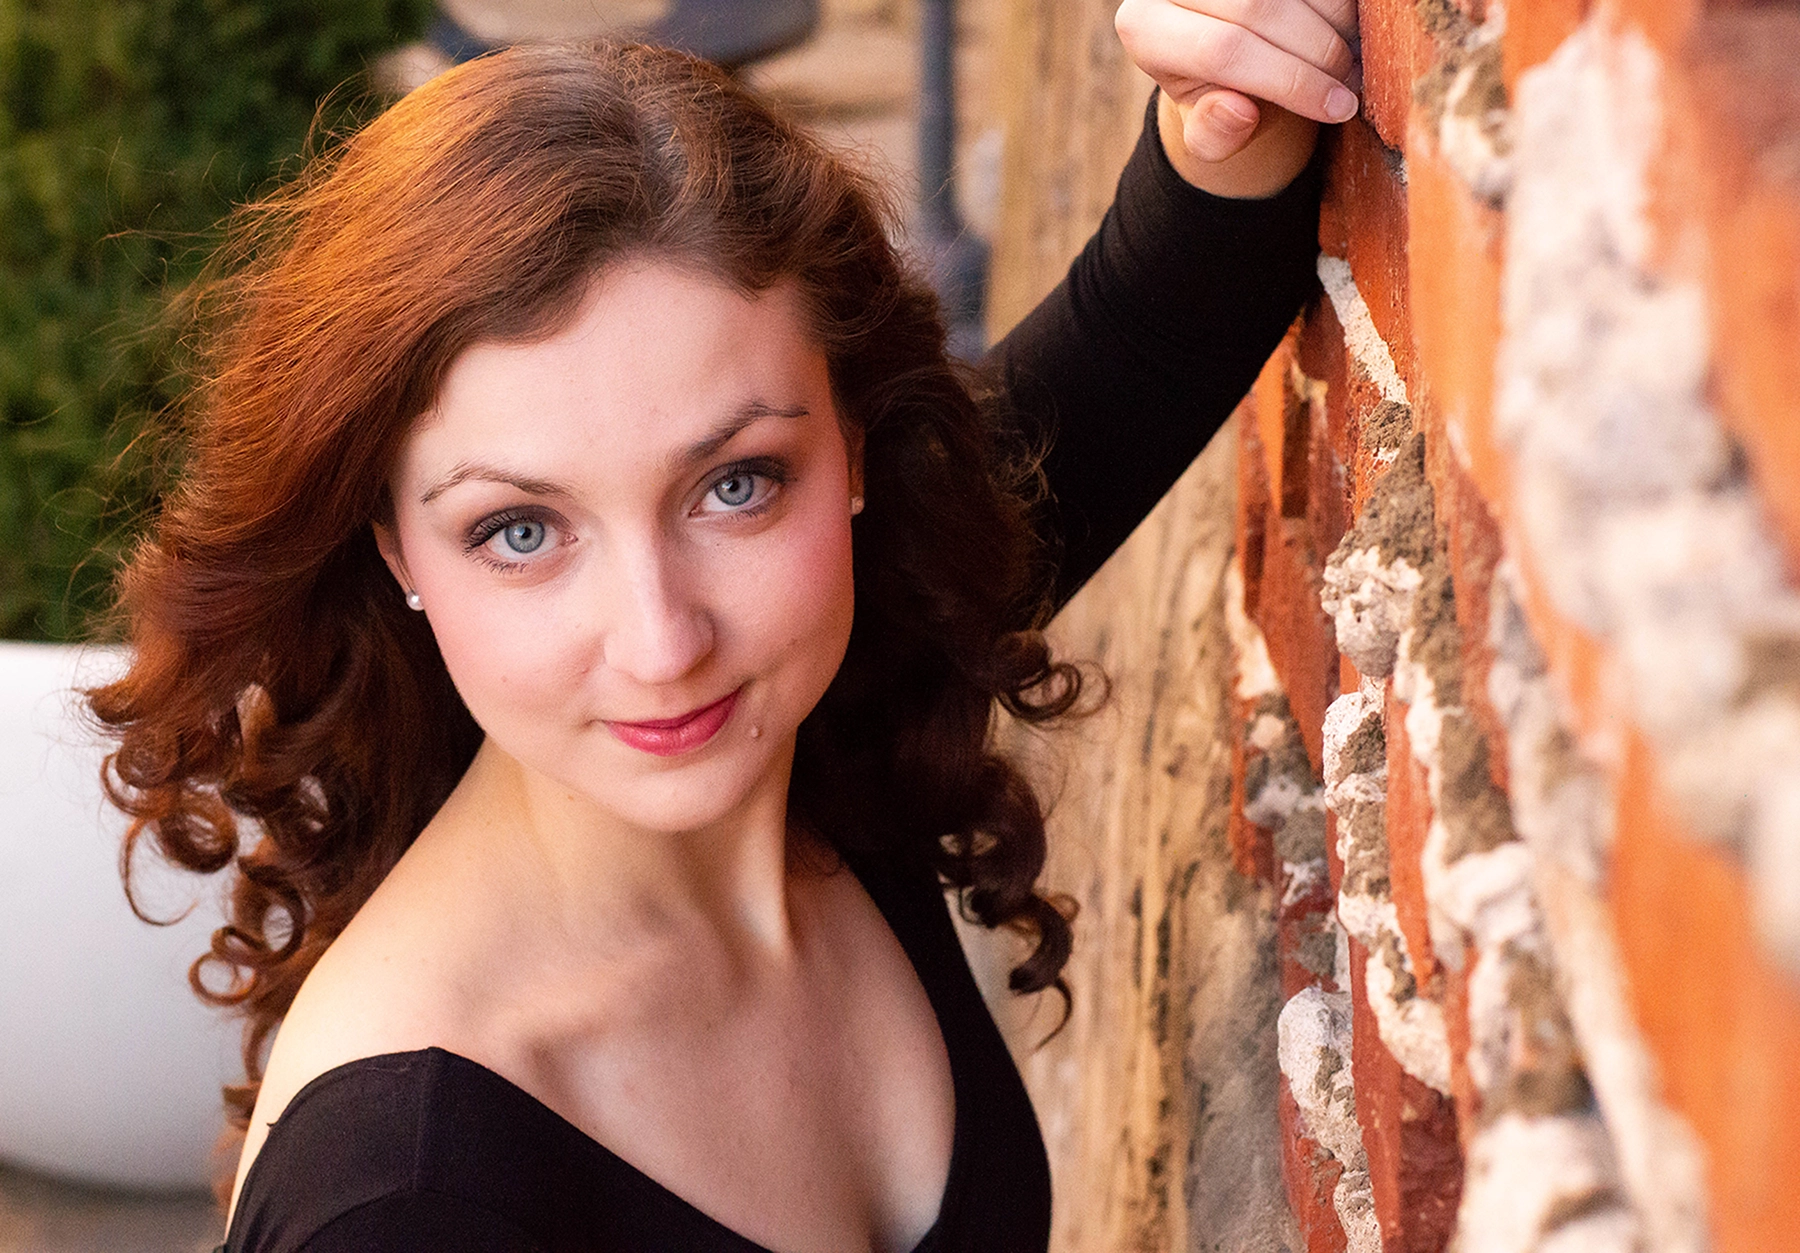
[1282,51]
[1341,14]
[1219,123]
[1303,27]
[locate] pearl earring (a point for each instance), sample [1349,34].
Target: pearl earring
[856,505]
[413,601]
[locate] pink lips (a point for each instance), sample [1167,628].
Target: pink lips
[670,737]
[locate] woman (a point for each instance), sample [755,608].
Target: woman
[591,578]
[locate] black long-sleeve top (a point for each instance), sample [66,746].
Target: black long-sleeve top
[1129,367]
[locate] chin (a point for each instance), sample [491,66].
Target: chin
[711,790]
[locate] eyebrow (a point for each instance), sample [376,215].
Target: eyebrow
[476,472]
[727,430]
[702,448]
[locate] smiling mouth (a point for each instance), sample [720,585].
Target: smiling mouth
[670,737]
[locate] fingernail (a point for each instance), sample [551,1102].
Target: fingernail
[1231,116]
[1340,104]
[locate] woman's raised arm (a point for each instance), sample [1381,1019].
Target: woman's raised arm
[1131,364]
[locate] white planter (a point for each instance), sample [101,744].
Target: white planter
[109,1067]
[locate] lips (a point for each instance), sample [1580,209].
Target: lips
[670,737]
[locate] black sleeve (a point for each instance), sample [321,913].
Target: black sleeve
[420,1222]
[1127,369]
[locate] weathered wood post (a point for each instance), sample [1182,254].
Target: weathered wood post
[1159,1098]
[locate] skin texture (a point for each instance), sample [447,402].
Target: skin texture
[639,940]
[1244,83]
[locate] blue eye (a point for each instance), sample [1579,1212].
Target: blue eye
[736,490]
[524,537]
[747,489]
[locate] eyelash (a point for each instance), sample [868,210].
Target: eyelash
[767,468]
[476,543]
[772,469]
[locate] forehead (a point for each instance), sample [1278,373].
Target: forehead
[652,354]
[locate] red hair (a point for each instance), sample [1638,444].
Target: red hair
[285,714]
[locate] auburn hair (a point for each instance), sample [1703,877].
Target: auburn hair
[285,715]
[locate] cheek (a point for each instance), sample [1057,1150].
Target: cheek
[809,597]
[496,648]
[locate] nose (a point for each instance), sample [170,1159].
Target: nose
[658,627]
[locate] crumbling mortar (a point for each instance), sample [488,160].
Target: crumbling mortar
[1255,672]
[1384,431]
[1632,499]
[1313,1048]
[1367,350]
[1523,1057]
[1410,1024]
[1463,100]
[1542,1075]
[1562,810]
[1370,581]
[1531,1181]
[1314,1027]
[1475,810]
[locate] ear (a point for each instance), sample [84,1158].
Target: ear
[387,543]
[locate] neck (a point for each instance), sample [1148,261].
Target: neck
[598,877]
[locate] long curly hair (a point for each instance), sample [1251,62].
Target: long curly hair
[284,714]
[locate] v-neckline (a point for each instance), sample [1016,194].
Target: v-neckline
[597,1148]
[927,1243]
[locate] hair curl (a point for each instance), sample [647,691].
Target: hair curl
[285,713]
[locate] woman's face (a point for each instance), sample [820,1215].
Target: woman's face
[632,540]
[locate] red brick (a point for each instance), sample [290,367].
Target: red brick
[1463,1092]
[1577,662]
[1395,51]
[1253,506]
[1268,402]
[1300,397]
[1350,396]
[1733,98]
[1409,1132]
[1455,292]
[1319,352]
[1533,31]
[1252,846]
[1408,821]
[1364,220]
[1311,1174]
[1473,540]
[1328,493]
[1722,1021]
[1281,574]
[1302,642]
[1305,925]
[1665,22]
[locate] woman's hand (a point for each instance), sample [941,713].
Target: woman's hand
[1244,83]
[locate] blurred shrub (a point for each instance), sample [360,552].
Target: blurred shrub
[127,130]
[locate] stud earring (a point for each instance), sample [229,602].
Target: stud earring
[413,601]
[856,505]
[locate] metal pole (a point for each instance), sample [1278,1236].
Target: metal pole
[958,260]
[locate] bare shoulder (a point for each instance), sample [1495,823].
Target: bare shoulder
[398,979]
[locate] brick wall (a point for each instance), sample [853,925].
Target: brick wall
[1513,723]
[1517,518]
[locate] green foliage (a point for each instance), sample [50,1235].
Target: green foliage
[127,130]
